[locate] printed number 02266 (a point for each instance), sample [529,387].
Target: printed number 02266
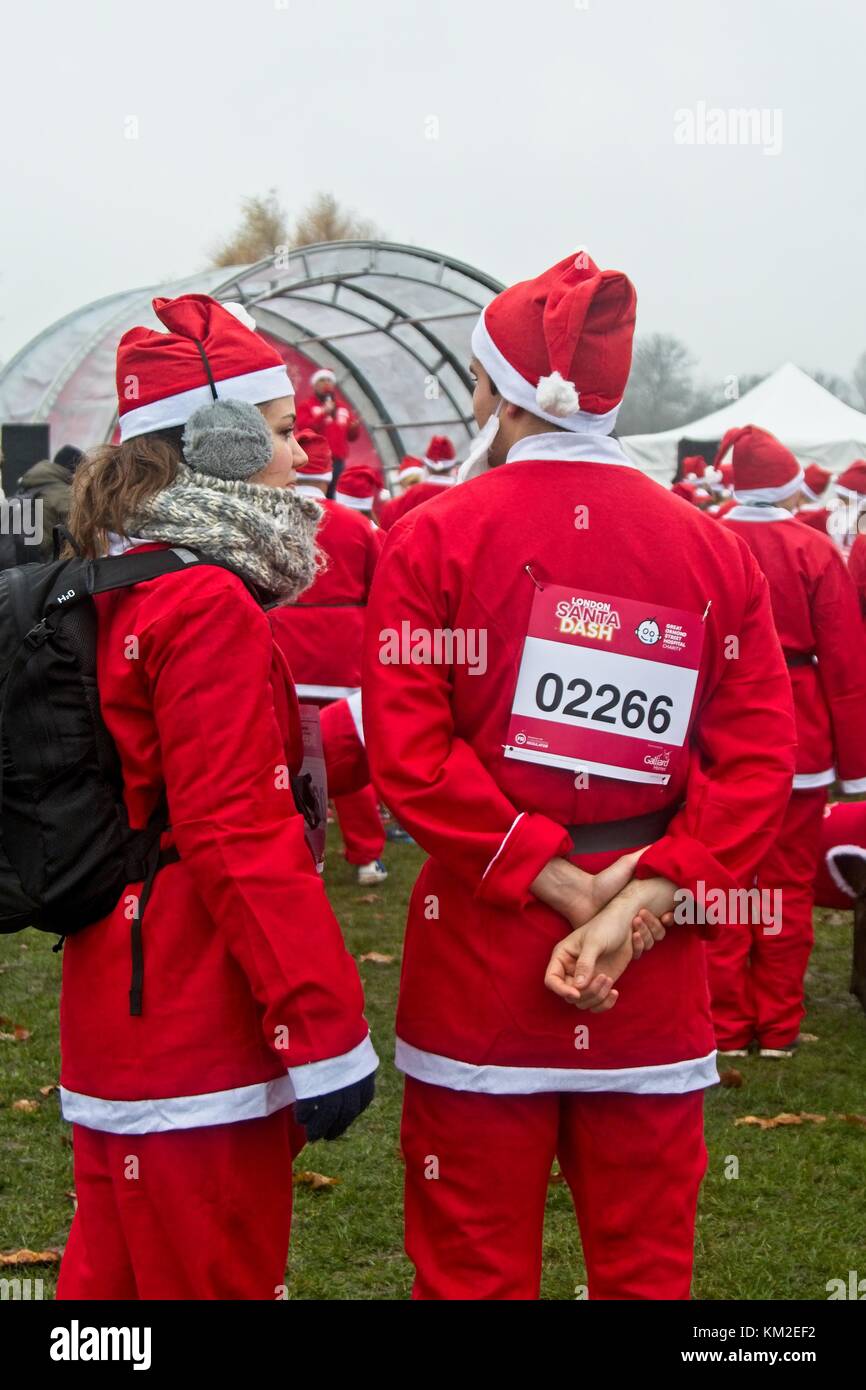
[550,692]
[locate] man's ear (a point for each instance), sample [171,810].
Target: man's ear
[513,412]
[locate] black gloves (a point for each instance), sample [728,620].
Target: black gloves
[327,1117]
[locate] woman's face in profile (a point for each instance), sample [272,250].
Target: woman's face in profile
[288,455]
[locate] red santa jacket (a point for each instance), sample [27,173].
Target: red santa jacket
[250,997]
[425,491]
[473,1012]
[816,616]
[857,570]
[343,745]
[339,427]
[323,633]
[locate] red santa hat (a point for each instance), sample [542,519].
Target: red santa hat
[441,454]
[319,467]
[852,483]
[358,487]
[694,467]
[816,481]
[560,345]
[323,374]
[410,470]
[211,351]
[764,470]
[684,490]
[726,469]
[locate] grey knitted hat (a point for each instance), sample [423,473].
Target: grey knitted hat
[227,439]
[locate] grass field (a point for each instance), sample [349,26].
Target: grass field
[793,1219]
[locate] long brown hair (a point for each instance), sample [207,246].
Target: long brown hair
[113,481]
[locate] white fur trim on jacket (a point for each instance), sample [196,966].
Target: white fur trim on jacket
[810,781]
[516,389]
[220,1107]
[855,787]
[669,1078]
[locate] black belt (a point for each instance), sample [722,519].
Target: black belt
[799,659]
[632,833]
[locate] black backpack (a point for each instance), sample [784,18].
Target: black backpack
[67,851]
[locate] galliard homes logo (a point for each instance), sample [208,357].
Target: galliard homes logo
[588,617]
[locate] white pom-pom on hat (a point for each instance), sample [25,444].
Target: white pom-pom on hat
[241,313]
[556,396]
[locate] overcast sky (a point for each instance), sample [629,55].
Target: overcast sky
[557,126]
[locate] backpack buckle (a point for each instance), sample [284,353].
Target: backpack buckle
[36,636]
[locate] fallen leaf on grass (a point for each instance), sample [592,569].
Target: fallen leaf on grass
[367,898]
[18,1034]
[779,1120]
[732,1077]
[376,958]
[30,1257]
[27,1106]
[47,1090]
[808,1037]
[73,1197]
[313,1180]
[556,1178]
[852,1119]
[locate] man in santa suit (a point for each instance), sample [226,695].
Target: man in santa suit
[757,969]
[329,417]
[546,688]
[846,518]
[440,471]
[322,636]
[812,510]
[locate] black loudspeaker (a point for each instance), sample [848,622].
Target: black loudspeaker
[22,446]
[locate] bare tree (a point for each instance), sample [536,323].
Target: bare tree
[262,228]
[661,391]
[325,220]
[836,385]
[858,376]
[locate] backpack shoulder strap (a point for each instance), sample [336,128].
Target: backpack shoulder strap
[121,571]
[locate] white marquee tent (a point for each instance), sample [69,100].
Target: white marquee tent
[811,421]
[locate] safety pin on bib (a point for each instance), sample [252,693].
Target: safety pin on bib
[706,611]
[539,587]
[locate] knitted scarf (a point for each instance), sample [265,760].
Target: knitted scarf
[267,535]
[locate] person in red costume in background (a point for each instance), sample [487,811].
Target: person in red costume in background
[757,971]
[440,472]
[812,509]
[329,417]
[848,516]
[322,636]
[557,810]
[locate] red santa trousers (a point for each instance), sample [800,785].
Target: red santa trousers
[186,1214]
[756,977]
[477,1173]
[360,825]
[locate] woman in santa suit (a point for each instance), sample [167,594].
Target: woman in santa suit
[242,1033]
[757,969]
[550,713]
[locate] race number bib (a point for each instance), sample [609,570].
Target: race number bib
[606,685]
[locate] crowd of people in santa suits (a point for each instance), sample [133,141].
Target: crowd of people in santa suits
[553,1002]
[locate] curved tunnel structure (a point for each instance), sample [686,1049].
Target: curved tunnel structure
[393,322]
